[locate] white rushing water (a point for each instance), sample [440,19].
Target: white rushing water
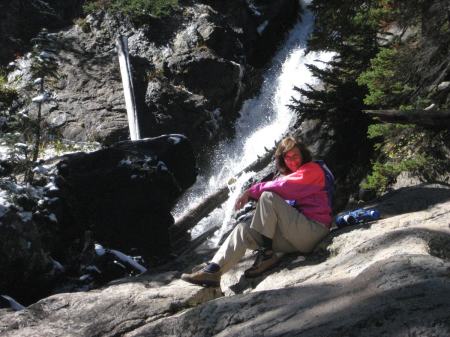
[264,120]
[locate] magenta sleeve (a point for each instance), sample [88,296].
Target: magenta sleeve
[274,186]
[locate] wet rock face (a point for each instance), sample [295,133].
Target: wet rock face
[191,71]
[207,75]
[260,25]
[170,108]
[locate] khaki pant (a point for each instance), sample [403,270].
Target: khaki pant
[289,230]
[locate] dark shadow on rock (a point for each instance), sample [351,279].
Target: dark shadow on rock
[412,199]
[21,20]
[296,260]
[175,267]
[248,283]
[435,238]
[439,245]
[438,242]
[163,29]
[288,261]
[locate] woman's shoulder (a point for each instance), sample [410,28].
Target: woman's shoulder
[312,169]
[312,165]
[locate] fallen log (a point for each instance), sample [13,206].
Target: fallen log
[202,210]
[436,119]
[212,201]
[181,250]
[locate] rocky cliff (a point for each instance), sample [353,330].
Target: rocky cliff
[386,278]
[191,70]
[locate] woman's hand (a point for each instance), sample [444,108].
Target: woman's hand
[242,200]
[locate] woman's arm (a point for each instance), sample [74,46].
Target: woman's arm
[296,185]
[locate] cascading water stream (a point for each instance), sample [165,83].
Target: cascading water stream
[264,119]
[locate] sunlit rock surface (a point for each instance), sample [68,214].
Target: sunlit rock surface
[108,312]
[387,278]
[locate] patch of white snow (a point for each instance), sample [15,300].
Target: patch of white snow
[174,140]
[99,250]
[25,216]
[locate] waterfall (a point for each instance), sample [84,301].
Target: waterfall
[263,121]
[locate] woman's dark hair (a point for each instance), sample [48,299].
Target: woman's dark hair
[286,145]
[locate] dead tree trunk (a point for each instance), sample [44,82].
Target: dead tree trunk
[194,216]
[439,119]
[128,89]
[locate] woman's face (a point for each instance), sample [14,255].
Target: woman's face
[293,159]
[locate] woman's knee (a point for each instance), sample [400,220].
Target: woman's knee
[266,195]
[242,228]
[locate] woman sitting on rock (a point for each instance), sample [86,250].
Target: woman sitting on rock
[276,226]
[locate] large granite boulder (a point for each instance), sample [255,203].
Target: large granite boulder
[386,278]
[119,196]
[123,194]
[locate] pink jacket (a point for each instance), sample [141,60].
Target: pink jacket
[306,186]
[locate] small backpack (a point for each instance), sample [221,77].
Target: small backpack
[329,181]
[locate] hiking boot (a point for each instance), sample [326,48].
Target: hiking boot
[265,260]
[204,277]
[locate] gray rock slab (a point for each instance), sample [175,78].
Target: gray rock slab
[111,311]
[399,296]
[386,278]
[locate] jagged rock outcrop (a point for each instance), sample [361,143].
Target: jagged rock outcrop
[191,70]
[386,278]
[120,196]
